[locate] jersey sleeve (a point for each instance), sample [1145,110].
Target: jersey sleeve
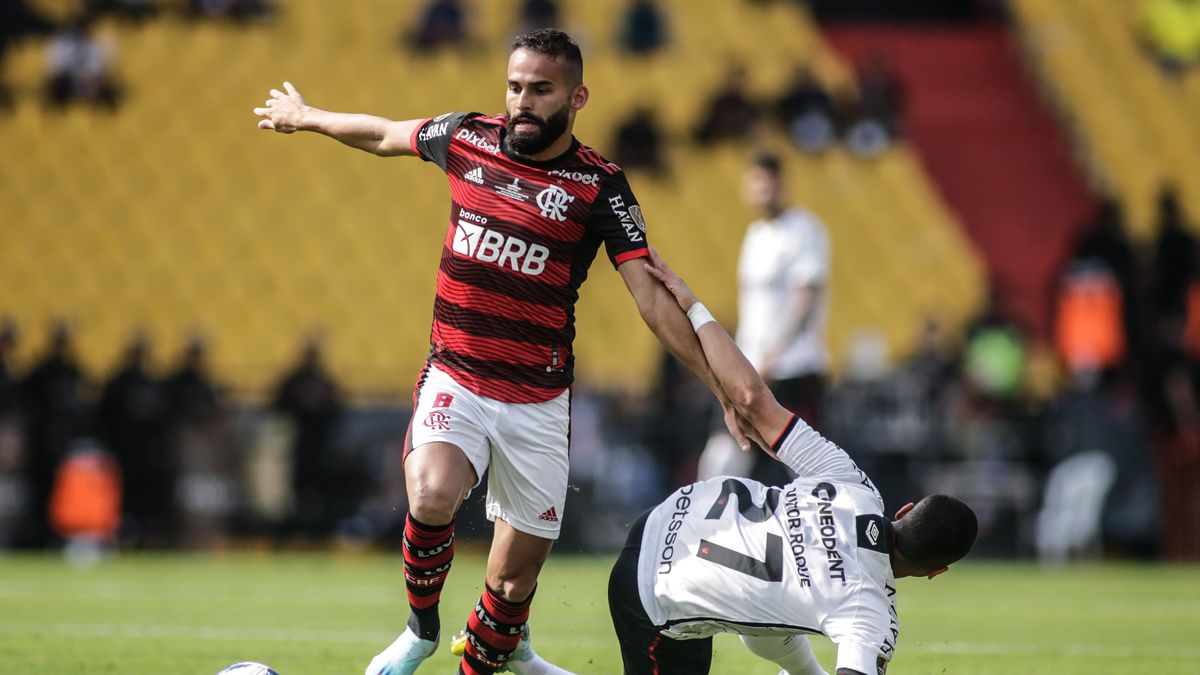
[865,634]
[431,140]
[617,219]
[811,455]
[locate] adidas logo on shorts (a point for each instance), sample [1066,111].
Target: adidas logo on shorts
[550,515]
[475,175]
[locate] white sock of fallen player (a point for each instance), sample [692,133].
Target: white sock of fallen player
[792,653]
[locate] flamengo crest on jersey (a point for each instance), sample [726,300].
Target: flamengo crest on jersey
[522,236]
[553,202]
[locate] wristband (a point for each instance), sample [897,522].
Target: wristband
[699,315]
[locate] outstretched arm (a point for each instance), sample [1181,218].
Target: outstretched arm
[806,452]
[664,317]
[734,374]
[288,113]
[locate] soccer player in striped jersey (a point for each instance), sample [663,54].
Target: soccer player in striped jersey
[530,207]
[773,564]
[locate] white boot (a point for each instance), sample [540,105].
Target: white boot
[402,656]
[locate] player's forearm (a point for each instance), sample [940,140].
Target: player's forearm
[668,322]
[374,134]
[734,372]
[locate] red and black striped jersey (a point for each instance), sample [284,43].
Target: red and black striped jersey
[522,236]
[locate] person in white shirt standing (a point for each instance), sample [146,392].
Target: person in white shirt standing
[783,308]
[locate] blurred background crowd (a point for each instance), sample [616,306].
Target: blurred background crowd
[207,339]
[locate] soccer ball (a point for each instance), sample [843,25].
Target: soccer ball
[248,668]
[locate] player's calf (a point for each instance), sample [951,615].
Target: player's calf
[493,632]
[428,555]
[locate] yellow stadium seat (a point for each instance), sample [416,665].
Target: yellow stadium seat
[176,214]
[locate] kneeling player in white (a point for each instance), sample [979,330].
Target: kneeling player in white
[816,556]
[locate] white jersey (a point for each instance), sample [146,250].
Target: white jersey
[778,256]
[732,555]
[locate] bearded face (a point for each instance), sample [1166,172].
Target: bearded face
[529,134]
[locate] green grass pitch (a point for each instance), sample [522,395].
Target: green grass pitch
[318,613]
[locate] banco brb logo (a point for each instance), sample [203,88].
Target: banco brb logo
[491,246]
[553,202]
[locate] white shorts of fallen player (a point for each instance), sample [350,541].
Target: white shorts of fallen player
[525,445]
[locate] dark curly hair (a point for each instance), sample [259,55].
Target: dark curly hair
[555,44]
[938,531]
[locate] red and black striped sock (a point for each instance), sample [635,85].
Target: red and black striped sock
[493,632]
[428,553]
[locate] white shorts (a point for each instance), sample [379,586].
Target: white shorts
[526,445]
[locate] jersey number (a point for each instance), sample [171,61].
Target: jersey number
[770,569]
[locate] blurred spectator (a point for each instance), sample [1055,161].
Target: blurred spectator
[198,437]
[1175,257]
[8,382]
[237,10]
[1171,30]
[442,24]
[17,21]
[133,10]
[129,417]
[679,419]
[538,14]
[1089,329]
[79,67]
[994,351]
[994,361]
[1103,243]
[729,114]
[875,121]
[783,309]
[55,412]
[932,371]
[191,396]
[1106,424]
[14,494]
[1174,280]
[643,28]
[85,507]
[638,143]
[805,110]
[310,399]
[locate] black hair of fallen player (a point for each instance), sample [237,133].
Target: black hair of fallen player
[555,44]
[938,531]
[769,162]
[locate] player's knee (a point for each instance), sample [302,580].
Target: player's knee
[432,503]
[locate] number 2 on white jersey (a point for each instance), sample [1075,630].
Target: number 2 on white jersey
[770,569]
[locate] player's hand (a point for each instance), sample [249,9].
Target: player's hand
[282,112]
[659,269]
[742,431]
